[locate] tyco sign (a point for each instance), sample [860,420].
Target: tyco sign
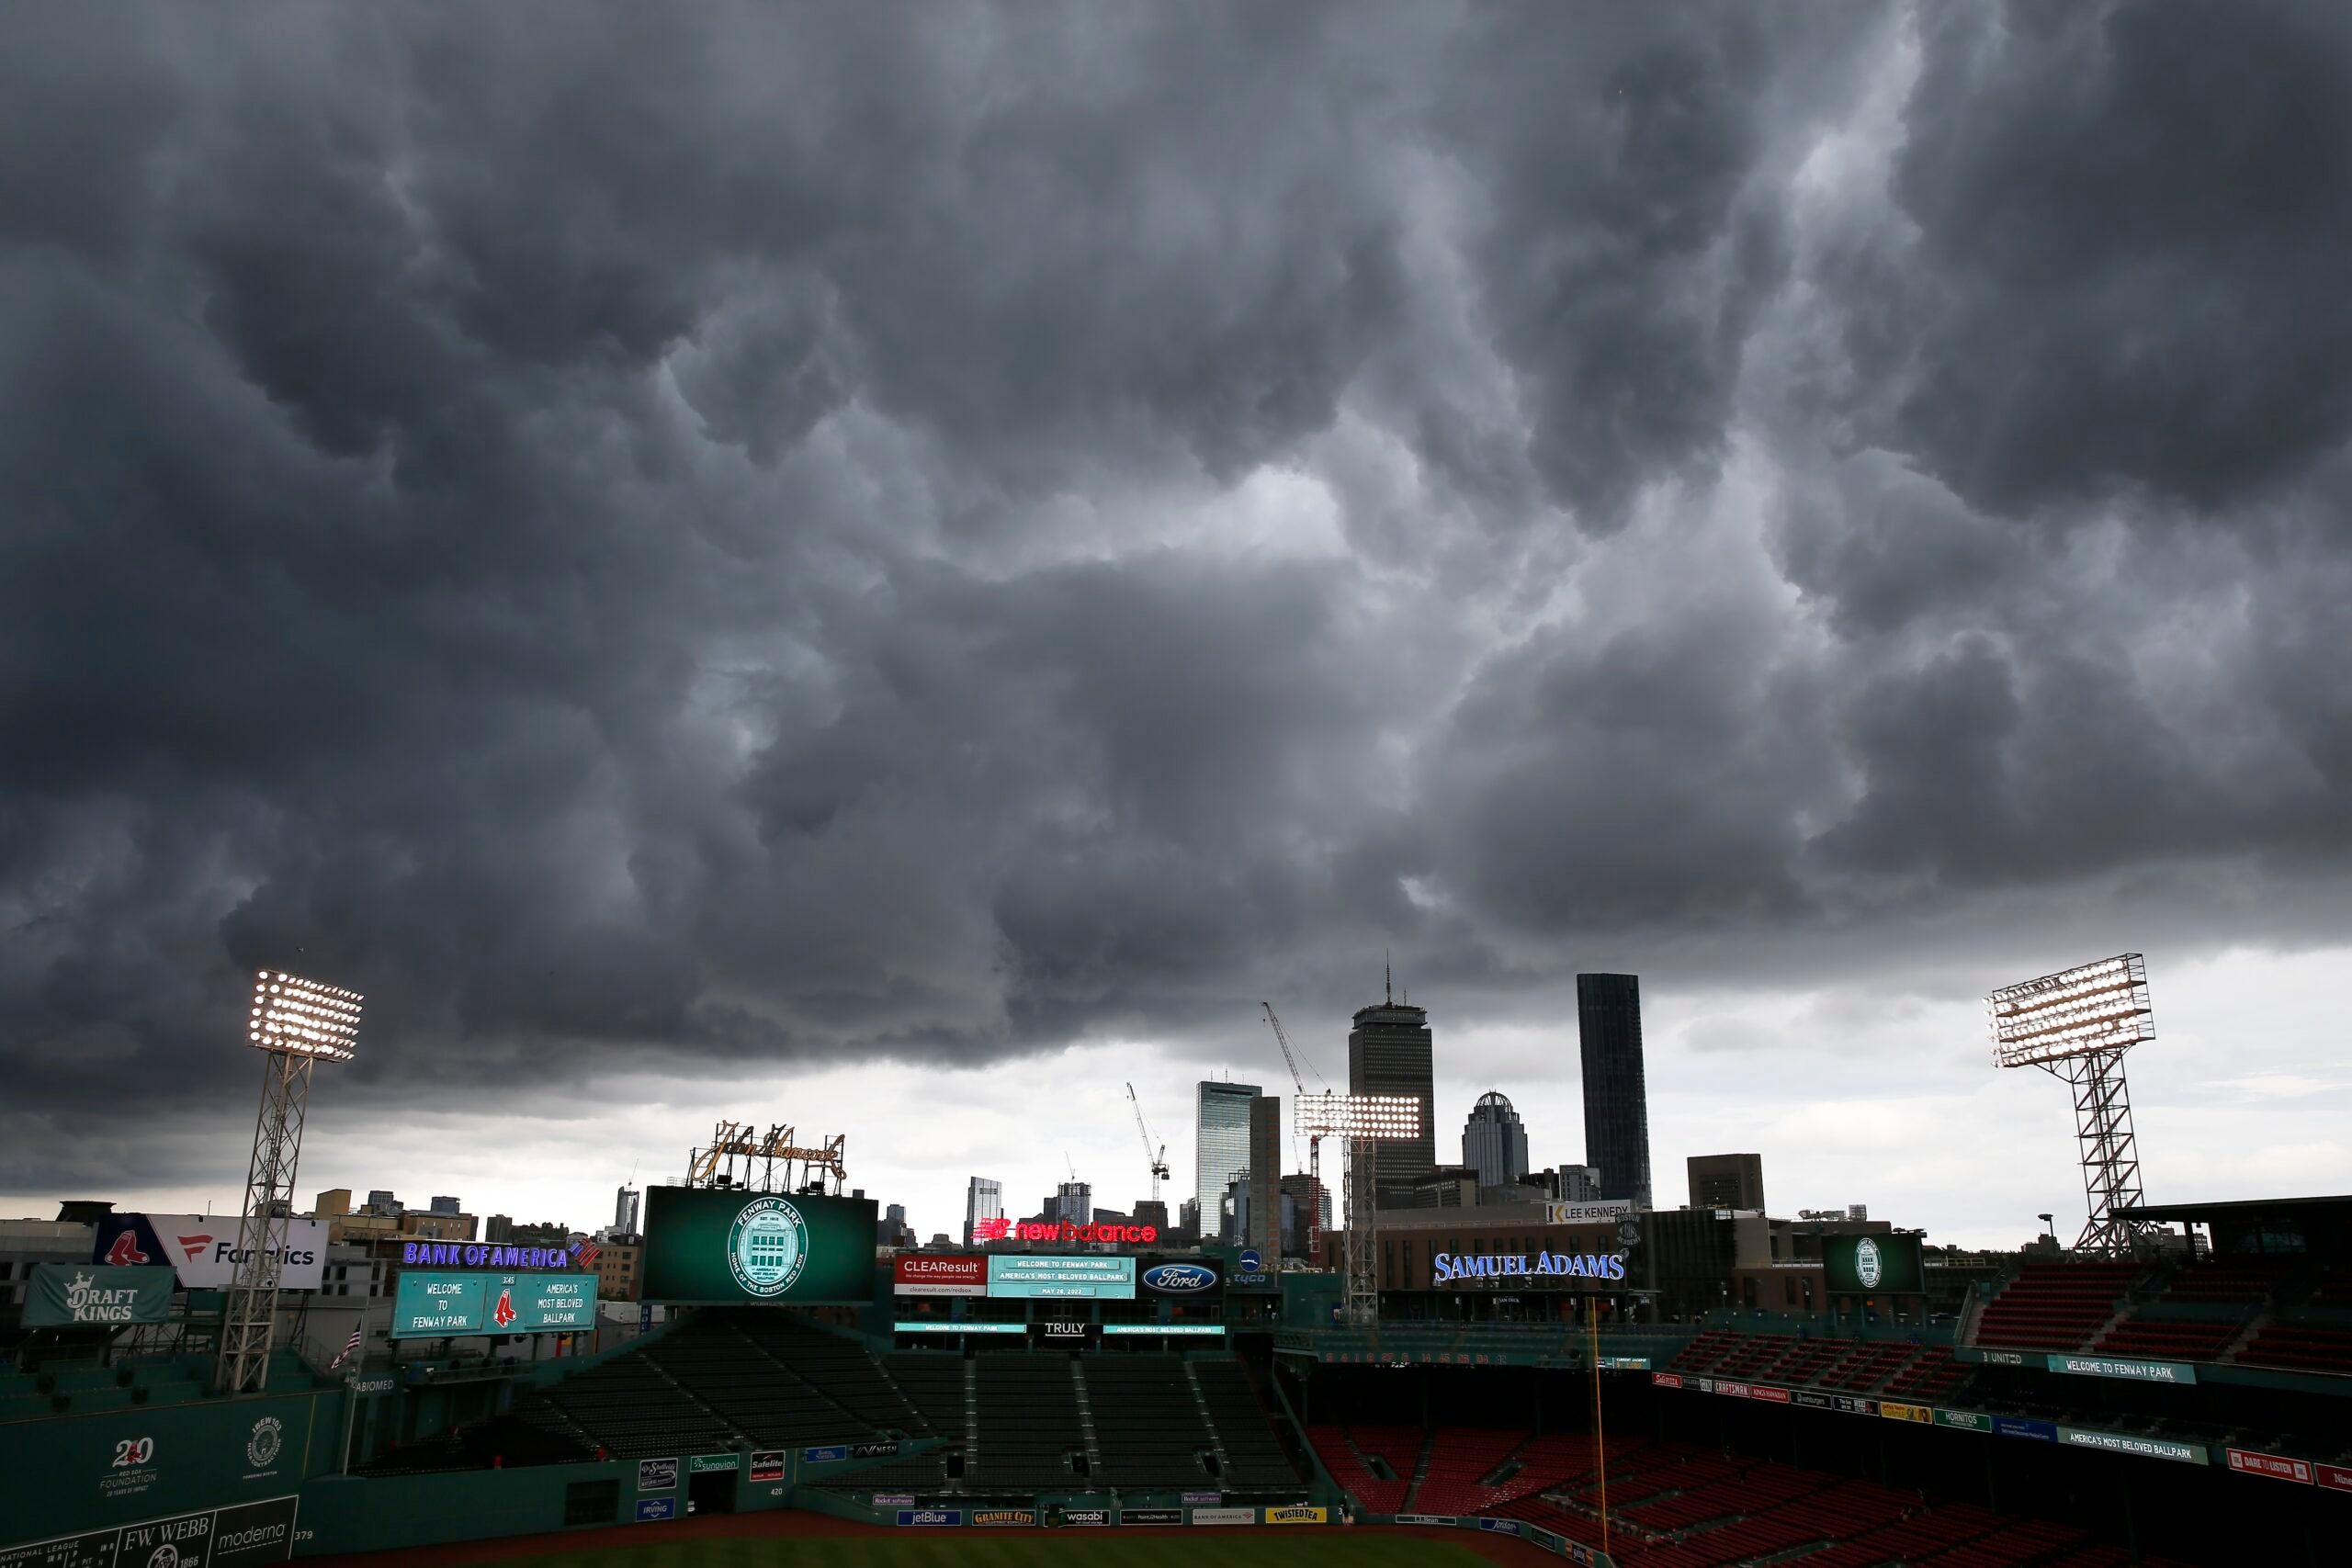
[432,1303]
[717,1247]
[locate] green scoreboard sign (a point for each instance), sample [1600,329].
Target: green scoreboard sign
[710,1248]
[434,1303]
[1874,1265]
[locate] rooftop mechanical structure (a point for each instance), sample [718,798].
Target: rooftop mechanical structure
[2075,1025]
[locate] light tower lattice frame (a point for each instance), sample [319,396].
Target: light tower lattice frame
[296,1024]
[2076,1025]
[1359,1121]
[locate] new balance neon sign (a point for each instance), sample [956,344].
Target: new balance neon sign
[1068,1230]
[1449,1266]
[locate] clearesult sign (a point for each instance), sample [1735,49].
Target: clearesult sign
[924,1274]
[65,1295]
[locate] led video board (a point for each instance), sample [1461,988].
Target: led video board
[1862,1265]
[717,1247]
[436,1303]
[1061,1277]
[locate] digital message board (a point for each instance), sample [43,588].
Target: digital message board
[1866,1265]
[437,1303]
[1062,1278]
[715,1247]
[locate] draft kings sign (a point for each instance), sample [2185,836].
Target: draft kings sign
[62,1295]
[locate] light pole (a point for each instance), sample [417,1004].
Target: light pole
[1360,1121]
[295,1023]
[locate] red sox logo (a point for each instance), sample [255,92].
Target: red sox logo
[504,1313]
[125,1251]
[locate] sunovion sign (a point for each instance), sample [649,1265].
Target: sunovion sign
[1448,1267]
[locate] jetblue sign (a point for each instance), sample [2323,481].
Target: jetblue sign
[1451,1267]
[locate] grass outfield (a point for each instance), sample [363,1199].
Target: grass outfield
[1036,1548]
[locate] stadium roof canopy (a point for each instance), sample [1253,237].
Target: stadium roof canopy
[2244,1208]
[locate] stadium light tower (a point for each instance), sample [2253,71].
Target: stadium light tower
[1360,1121]
[296,1024]
[2075,1025]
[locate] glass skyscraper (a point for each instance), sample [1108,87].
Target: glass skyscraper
[1389,1052]
[1616,1096]
[1493,1142]
[1220,1145]
[983,1200]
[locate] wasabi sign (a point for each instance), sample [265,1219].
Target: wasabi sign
[434,1303]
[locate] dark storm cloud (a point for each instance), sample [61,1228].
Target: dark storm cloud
[700,541]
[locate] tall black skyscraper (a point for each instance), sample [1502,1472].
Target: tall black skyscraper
[1616,1100]
[1389,1052]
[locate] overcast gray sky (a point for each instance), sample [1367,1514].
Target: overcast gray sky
[897,568]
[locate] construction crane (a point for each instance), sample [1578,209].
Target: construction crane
[1314,1141]
[1158,1157]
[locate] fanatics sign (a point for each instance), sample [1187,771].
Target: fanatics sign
[921,1274]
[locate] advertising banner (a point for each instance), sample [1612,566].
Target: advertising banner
[1500,1526]
[2333,1477]
[1894,1410]
[830,1453]
[2025,1427]
[1964,1420]
[2122,1367]
[653,1510]
[708,1247]
[1298,1514]
[1061,1277]
[1870,1265]
[1624,1363]
[1448,1520]
[1098,1517]
[1853,1404]
[1731,1390]
[921,1274]
[2132,1444]
[65,1295]
[1201,1499]
[1596,1211]
[1665,1380]
[1151,1516]
[714,1464]
[203,1248]
[1809,1399]
[1769,1395]
[2277,1467]
[1196,1330]
[767,1464]
[657,1475]
[894,1499]
[1003,1516]
[1181,1277]
[1058,1334]
[437,1303]
[216,1538]
[1224,1516]
[930,1515]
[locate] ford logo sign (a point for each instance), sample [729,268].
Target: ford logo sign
[1179,1277]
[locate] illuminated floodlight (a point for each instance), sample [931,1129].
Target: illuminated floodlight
[2092,1007]
[2077,1025]
[1359,1116]
[303,1018]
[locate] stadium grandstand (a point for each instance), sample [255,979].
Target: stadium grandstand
[2186,1406]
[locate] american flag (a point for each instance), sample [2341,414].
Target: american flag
[350,1348]
[584,1253]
